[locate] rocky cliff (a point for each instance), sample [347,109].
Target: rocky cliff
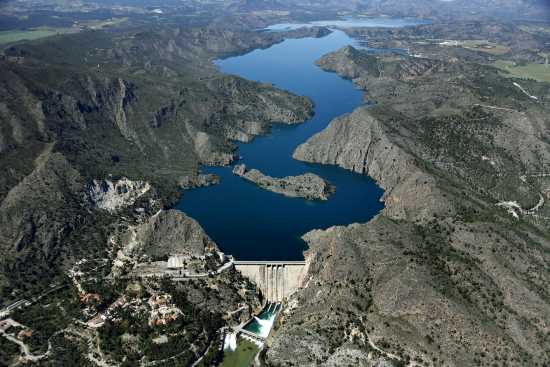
[360,143]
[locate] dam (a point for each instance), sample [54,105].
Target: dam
[277,280]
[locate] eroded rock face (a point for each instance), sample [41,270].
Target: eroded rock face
[245,131]
[308,185]
[112,196]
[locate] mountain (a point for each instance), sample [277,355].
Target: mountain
[137,106]
[538,9]
[103,129]
[448,273]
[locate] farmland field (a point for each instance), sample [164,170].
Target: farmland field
[32,34]
[539,72]
[485,46]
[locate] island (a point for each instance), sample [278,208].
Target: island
[308,185]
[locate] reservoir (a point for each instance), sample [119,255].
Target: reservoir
[254,224]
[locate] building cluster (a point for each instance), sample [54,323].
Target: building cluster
[163,311]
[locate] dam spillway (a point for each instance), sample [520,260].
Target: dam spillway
[277,280]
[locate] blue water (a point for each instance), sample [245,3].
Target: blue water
[254,224]
[262,324]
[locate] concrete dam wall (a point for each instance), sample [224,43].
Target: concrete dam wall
[276,280]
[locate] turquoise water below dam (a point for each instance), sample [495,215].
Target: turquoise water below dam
[254,224]
[261,325]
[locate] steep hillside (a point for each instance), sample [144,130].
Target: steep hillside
[450,273]
[103,313]
[144,107]
[99,132]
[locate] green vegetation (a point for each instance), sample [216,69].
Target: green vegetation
[539,72]
[33,34]
[213,355]
[67,351]
[52,313]
[242,356]
[485,46]
[535,29]
[130,337]
[9,353]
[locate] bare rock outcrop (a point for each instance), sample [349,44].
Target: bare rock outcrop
[245,131]
[166,233]
[308,185]
[114,195]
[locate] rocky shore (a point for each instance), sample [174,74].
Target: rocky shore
[200,180]
[308,186]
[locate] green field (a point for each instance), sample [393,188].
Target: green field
[485,46]
[242,356]
[533,29]
[32,34]
[540,72]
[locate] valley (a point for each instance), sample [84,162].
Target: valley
[201,177]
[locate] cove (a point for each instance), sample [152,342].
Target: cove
[254,224]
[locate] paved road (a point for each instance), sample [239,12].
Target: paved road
[24,302]
[24,347]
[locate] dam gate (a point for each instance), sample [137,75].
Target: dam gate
[277,280]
